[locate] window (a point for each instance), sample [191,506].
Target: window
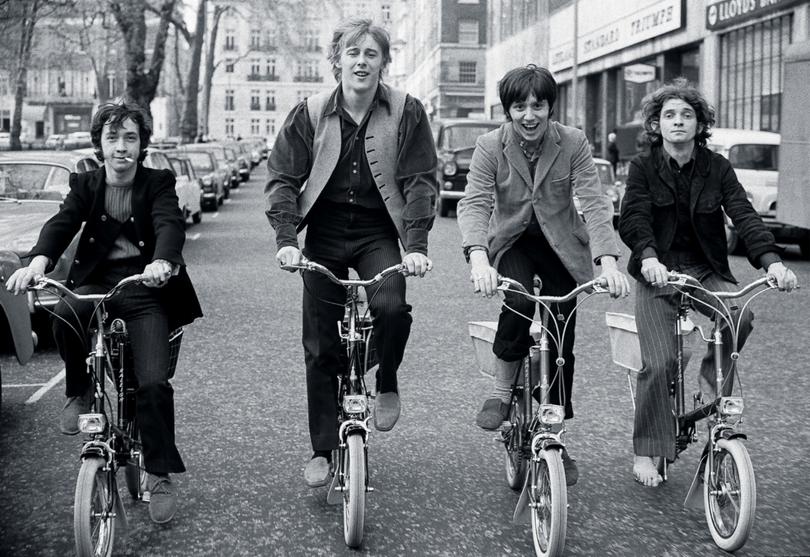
[230,39]
[270,66]
[270,127]
[229,103]
[254,126]
[467,1]
[255,38]
[270,100]
[466,72]
[385,10]
[468,31]
[754,157]
[255,104]
[229,127]
[255,66]
[229,66]
[270,38]
[311,40]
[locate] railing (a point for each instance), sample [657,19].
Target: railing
[308,78]
[262,77]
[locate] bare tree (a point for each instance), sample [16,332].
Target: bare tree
[142,82]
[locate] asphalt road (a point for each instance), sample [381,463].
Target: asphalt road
[439,481]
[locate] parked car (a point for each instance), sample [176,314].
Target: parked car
[243,158]
[611,187]
[188,185]
[78,140]
[226,160]
[754,155]
[215,177]
[187,193]
[455,141]
[5,140]
[55,141]
[32,187]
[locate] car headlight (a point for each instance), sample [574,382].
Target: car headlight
[731,405]
[450,168]
[92,423]
[355,404]
[551,414]
[612,194]
[207,181]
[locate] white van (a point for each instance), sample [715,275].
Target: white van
[754,155]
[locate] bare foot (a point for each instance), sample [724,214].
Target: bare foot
[645,471]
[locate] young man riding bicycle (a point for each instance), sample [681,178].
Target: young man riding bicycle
[132,225]
[366,155]
[673,218]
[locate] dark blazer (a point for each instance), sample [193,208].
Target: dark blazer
[649,218]
[159,232]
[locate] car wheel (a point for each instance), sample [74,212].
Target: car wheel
[804,246]
[196,218]
[444,207]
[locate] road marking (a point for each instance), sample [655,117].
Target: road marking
[215,215]
[227,201]
[21,385]
[195,236]
[46,387]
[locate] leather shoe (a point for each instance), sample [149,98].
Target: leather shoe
[492,415]
[386,411]
[570,467]
[74,405]
[316,472]
[162,498]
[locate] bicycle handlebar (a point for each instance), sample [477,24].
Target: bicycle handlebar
[45,282]
[307,265]
[598,285]
[682,279]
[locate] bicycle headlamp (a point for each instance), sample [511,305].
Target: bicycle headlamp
[551,414]
[355,404]
[92,423]
[731,405]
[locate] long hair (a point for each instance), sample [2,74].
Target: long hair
[519,83]
[115,113]
[352,32]
[678,88]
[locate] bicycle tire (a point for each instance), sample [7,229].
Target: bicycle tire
[354,489]
[548,498]
[730,494]
[93,510]
[514,462]
[135,471]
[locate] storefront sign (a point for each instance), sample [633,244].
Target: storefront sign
[602,32]
[731,12]
[639,73]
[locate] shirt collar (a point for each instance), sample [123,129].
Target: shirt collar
[669,161]
[336,99]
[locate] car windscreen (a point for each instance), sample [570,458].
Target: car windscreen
[605,172]
[460,137]
[754,157]
[33,181]
[200,161]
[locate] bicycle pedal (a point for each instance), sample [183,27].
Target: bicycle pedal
[369,489]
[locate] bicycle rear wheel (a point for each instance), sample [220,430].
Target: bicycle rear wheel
[730,494]
[135,472]
[354,489]
[93,510]
[548,499]
[514,462]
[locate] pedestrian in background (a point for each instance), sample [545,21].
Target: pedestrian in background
[673,219]
[366,155]
[518,219]
[612,150]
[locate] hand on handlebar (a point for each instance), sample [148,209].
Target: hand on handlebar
[784,278]
[289,256]
[157,273]
[654,272]
[483,276]
[22,278]
[613,279]
[417,264]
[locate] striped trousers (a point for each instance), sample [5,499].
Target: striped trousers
[656,313]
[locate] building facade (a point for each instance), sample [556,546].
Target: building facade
[731,49]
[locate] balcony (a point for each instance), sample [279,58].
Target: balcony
[255,106]
[264,47]
[270,107]
[308,79]
[262,77]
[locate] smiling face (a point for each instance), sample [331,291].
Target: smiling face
[360,64]
[530,118]
[121,146]
[678,123]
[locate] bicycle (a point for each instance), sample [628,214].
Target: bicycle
[350,480]
[724,469]
[114,440]
[534,440]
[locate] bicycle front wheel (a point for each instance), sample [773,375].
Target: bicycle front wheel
[548,499]
[354,489]
[514,462]
[730,494]
[93,510]
[135,472]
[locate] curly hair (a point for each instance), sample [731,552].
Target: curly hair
[519,83]
[351,32]
[115,113]
[678,88]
